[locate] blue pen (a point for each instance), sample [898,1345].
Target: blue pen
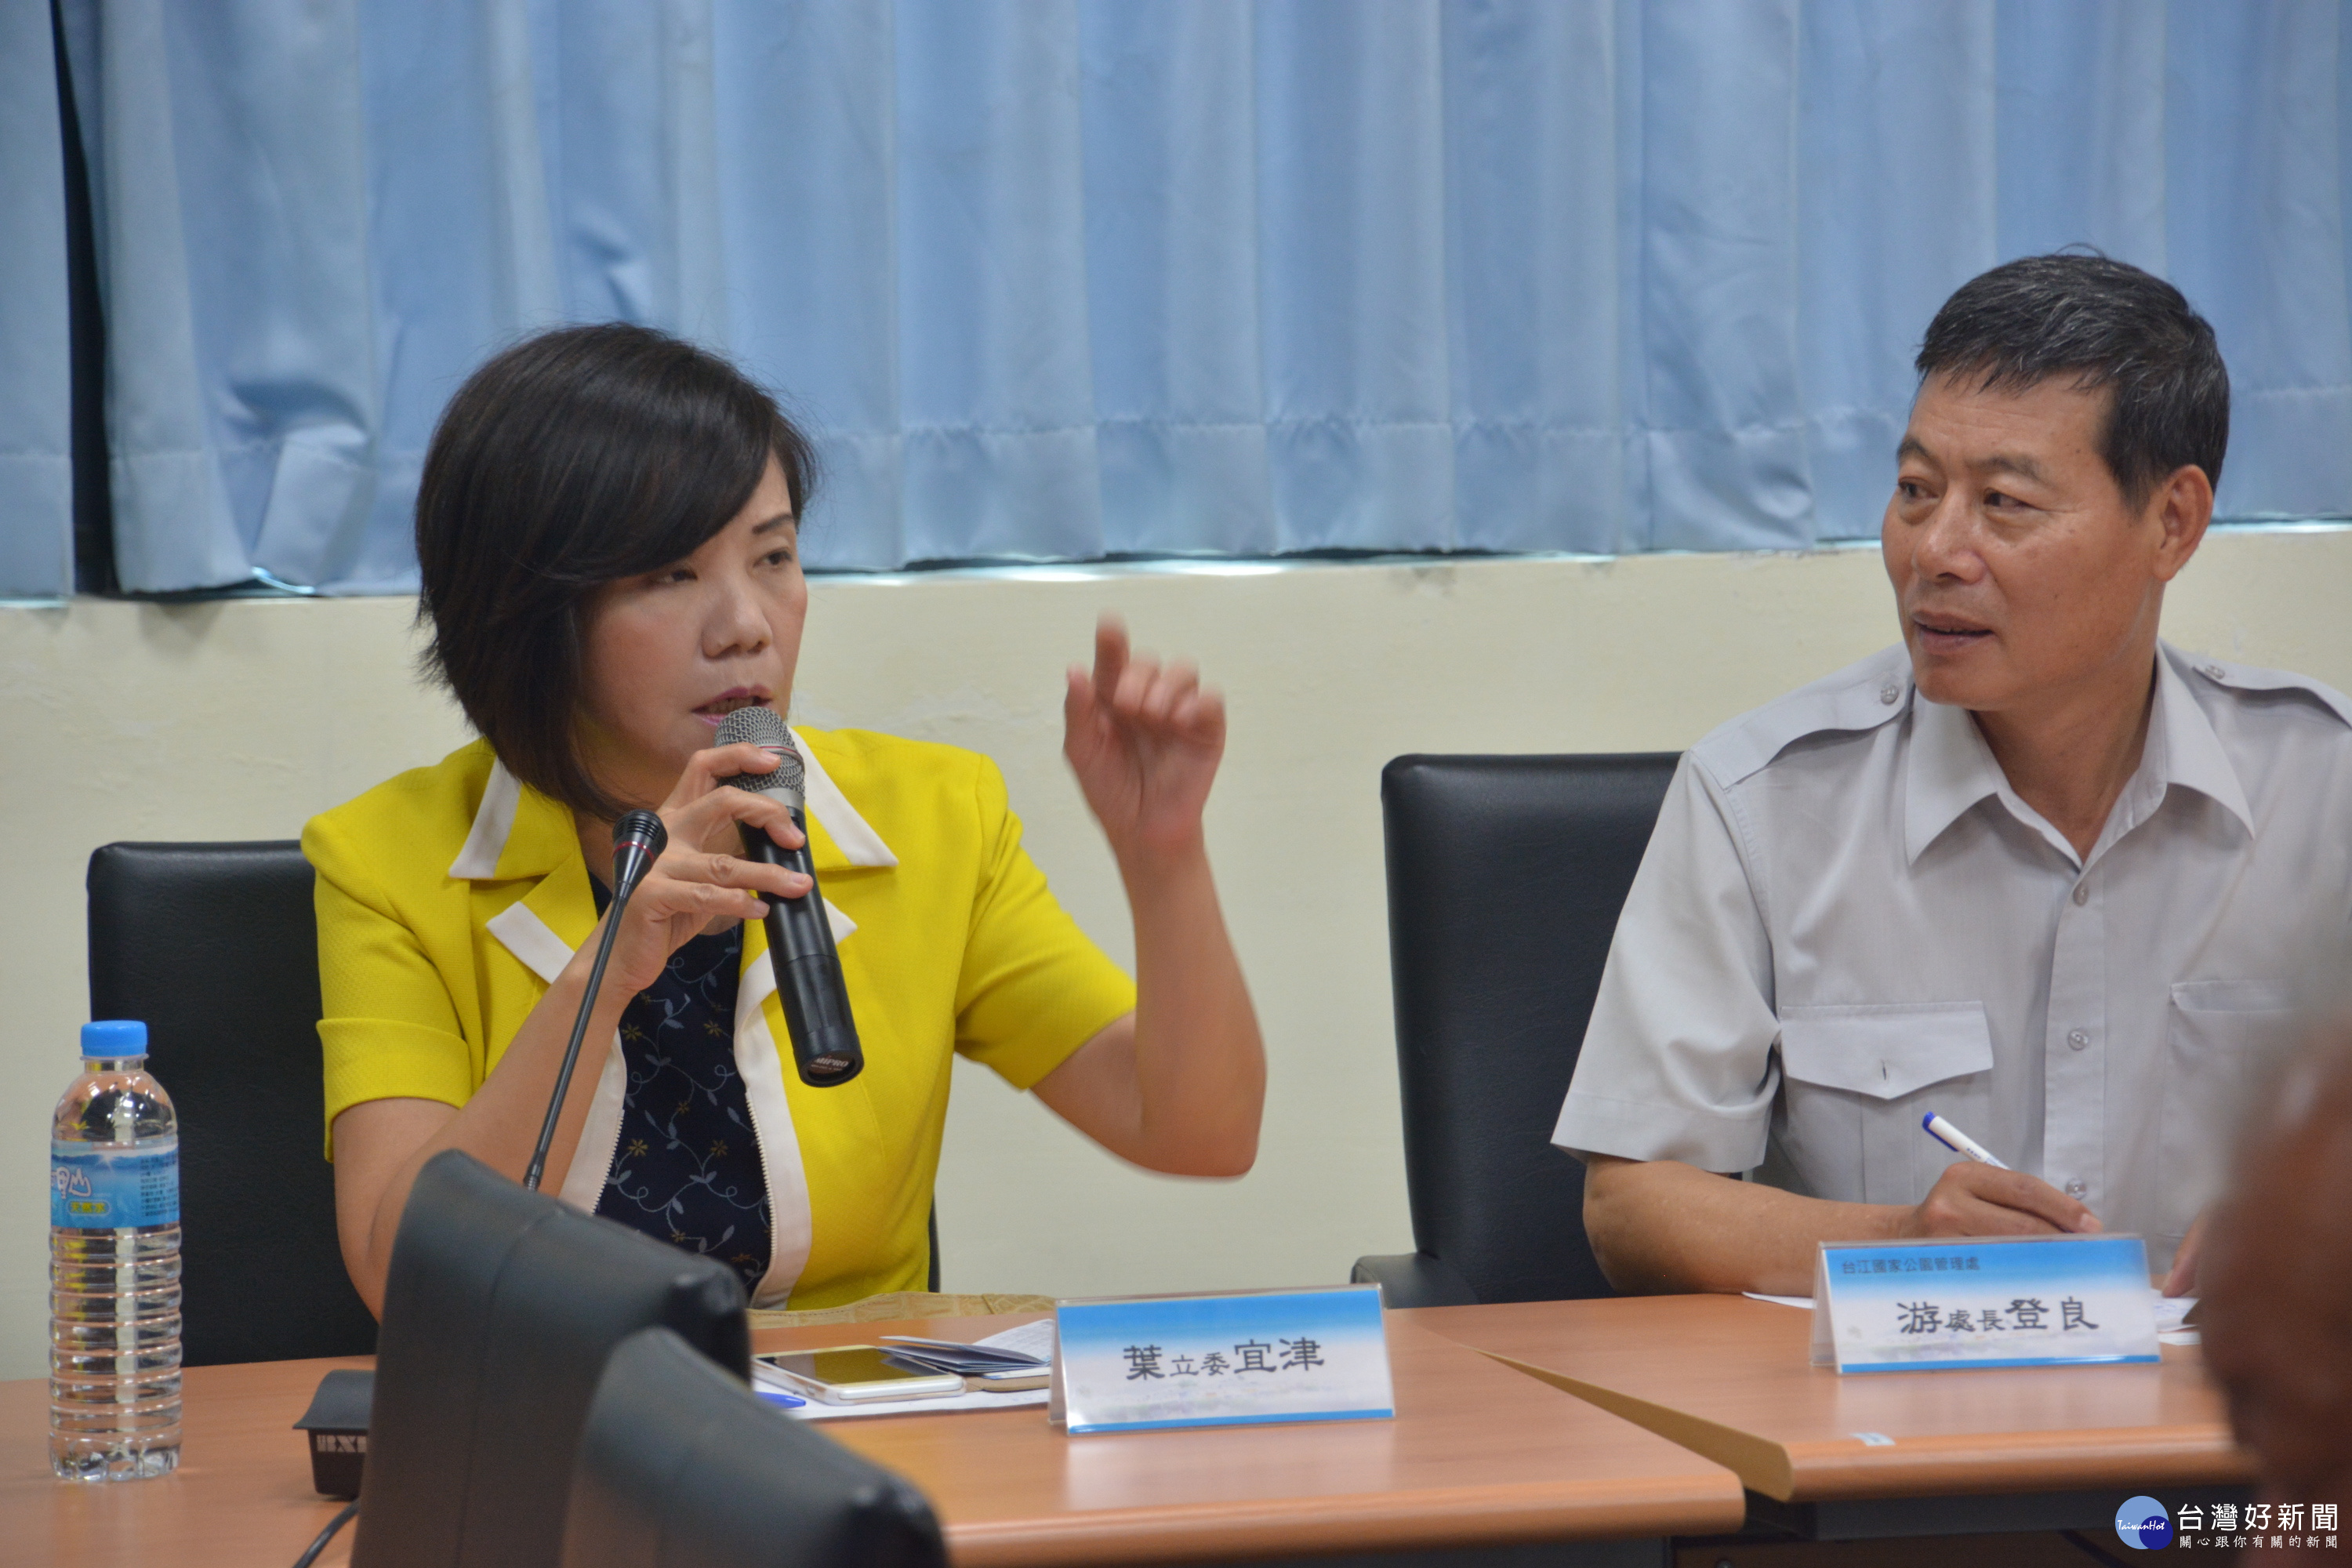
[777,1397]
[1958,1141]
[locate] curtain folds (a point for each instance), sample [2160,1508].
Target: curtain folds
[36,365]
[1076,277]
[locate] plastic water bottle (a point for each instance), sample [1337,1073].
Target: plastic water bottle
[114,1267]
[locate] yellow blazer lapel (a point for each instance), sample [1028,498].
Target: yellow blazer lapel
[543,929]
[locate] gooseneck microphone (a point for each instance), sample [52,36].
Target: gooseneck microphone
[800,939]
[638,839]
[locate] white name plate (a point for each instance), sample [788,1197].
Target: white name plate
[2026,1301]
[1138,1365]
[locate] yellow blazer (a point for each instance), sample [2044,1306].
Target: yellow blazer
[450,898]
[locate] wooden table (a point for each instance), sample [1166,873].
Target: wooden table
[1477,1455]
[242,1494]
[1730,1378]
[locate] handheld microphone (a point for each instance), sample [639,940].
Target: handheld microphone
[638,839]
[800,939]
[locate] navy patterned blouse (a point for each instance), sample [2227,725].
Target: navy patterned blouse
[687,1170]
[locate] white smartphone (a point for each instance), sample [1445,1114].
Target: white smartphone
[853,1374]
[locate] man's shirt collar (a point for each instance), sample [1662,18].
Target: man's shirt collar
[1951,768]
[2195,758]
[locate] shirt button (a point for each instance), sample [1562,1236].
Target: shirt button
[2077,1187]
[2078,1038]
[2082,892]
[1889,692]
[2212,671]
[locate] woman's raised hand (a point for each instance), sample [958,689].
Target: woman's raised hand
[702,882]
[1144,740]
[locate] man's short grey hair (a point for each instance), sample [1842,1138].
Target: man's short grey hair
[2104,323]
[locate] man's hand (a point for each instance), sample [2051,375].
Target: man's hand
[1660,1225]
[1144,742]
[1973,1199]
[2182,1280]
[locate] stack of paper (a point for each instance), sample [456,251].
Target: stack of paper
[1019,1365]
[1001,1360]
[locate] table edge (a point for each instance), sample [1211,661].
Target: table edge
[1705,1500]
[1479,1516]
[1838,1471]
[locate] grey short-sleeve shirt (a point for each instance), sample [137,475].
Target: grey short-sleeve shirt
[1846,920]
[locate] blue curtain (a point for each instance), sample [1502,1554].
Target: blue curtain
[36,422]
[1074,278]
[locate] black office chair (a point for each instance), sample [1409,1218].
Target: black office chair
[214,946]
[682,1466]
[501,1309]
[1506,876]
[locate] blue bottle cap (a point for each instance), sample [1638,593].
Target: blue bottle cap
[114,1037]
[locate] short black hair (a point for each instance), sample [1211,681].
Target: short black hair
[574,459]
[2110,325]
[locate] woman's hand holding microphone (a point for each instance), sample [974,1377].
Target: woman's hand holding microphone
[700,883]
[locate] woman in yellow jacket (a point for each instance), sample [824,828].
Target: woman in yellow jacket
[607,531]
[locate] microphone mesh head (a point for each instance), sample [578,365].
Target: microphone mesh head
[641,828]
[761,728]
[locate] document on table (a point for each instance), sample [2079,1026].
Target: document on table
[1031,1342]
[816,1411]
[1029,1339]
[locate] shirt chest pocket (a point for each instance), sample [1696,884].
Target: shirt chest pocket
[1857,1080]
[2221,1033]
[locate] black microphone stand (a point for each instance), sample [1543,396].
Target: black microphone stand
[638,839]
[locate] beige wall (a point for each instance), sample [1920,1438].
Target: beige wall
[238,720]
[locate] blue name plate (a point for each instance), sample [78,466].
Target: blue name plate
[2026,1301]
[1252,1358]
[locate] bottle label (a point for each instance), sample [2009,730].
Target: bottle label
[114,1189]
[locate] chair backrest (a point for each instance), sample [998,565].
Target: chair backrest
[1505,876]
[682,1466]
[501,1309]
[214,946]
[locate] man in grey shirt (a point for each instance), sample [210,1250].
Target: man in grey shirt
[2033,870]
